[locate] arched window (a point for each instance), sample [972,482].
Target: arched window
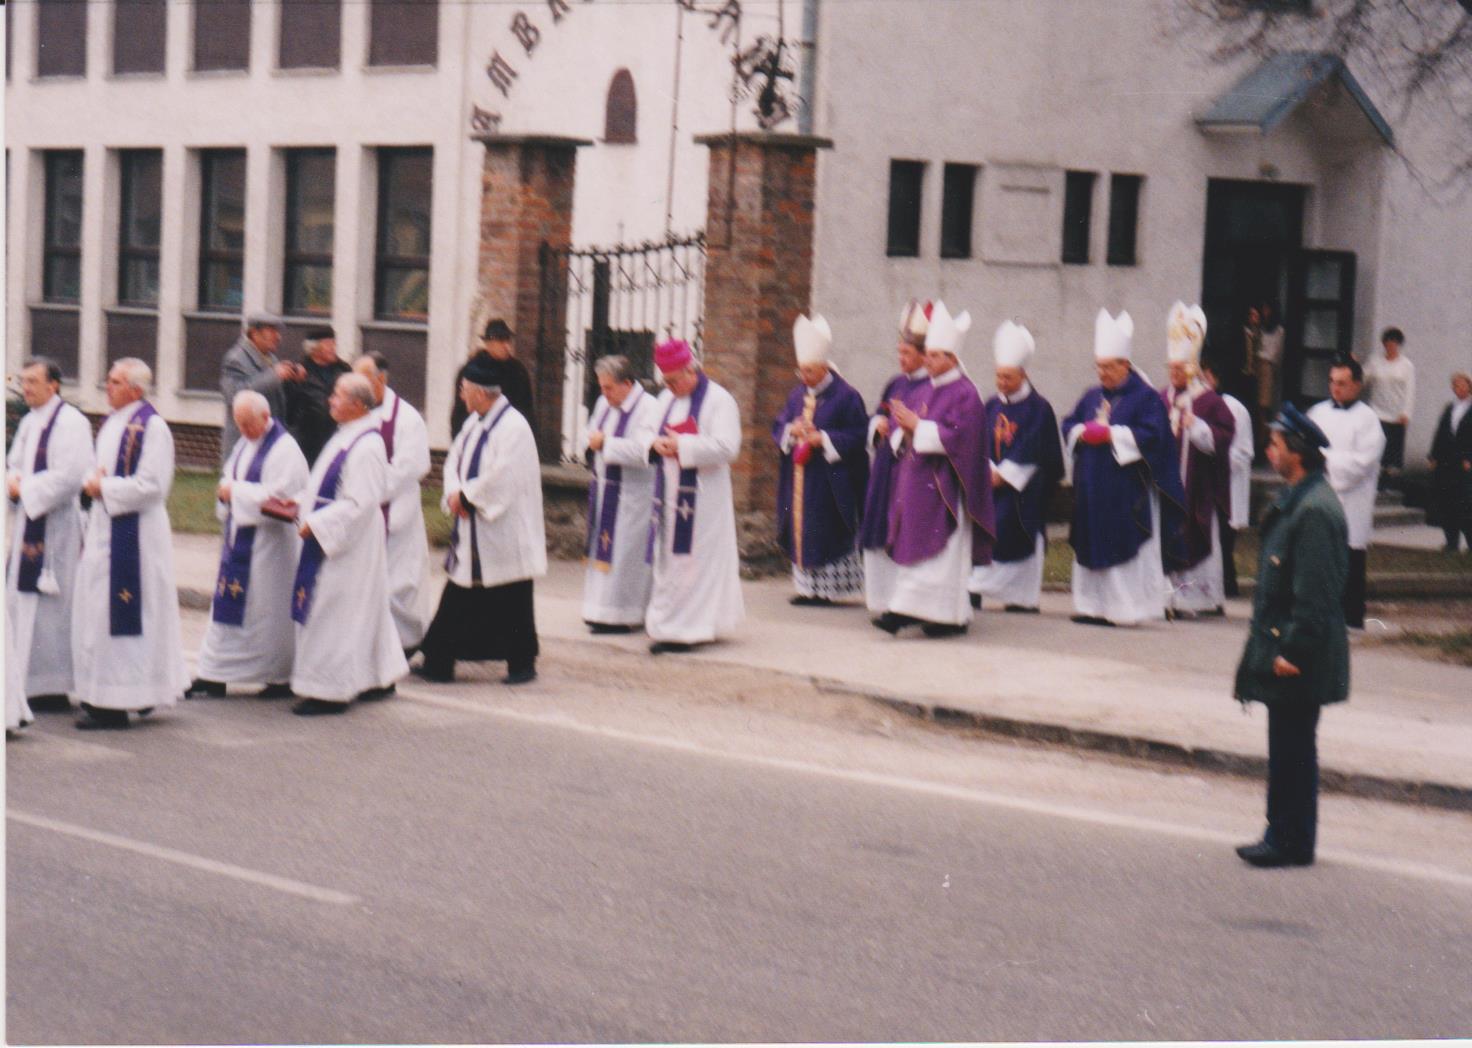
[621,115]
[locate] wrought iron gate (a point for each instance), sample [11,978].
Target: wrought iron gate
[597,301]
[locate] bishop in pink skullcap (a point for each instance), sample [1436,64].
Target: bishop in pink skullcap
[673,355]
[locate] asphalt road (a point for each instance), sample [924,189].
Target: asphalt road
[629,851]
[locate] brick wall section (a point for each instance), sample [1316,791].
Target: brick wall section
[758,278]
[526,201]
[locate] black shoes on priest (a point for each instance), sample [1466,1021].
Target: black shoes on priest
[892,622]
[1269,856]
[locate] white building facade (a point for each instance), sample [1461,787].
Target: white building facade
[172,165]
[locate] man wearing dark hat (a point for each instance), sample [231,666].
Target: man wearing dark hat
[1297,654]
[498,544]
[517,384]
[307,416]
[251,364]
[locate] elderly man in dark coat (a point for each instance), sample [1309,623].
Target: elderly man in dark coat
[251,364]
[1451,464]
[1297,654]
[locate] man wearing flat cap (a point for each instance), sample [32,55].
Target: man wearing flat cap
[307,417]
[1297,654]
[251,364]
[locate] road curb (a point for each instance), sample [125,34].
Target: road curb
[1137,747]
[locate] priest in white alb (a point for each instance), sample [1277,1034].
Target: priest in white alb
[250,637]
[346,644]
[49,459]
[624,422]
[406,443]
[692,543]
[126,645]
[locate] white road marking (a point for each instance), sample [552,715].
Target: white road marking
[1116,820]
[196,862]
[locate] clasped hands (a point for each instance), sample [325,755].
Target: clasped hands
[668,444]
[903,417]
[804,432]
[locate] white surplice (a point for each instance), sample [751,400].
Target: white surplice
[618,596]
[408,545]
[697,595]
[1241,454]
[41,623]
[262,647]
[348,644]
[1356,443]
[1135,591]
[130,673]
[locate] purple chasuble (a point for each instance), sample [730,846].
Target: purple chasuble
[874,534]
[125,604]
[601,526]
[1024,432]
[233,582]
[33,537]
[1111,503]
[932,493]
[1207,478]
[832,492]
[310,564]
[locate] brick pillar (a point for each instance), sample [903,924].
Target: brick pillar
[758,278]
[525,202]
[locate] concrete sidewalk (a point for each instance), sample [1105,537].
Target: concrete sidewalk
[1161,692]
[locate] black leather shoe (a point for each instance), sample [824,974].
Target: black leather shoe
[1090,620]
[276,691]
[205,689]
[810,602]
[1268,856]
[434,674]
[520,676]
[943,629]
[318,708]
[668,647]
[94,719]
[975,602]
[375,694]
[49,704]
[1021,609]
[608,627]
[892,622]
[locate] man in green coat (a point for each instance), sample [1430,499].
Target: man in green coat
[1297,654]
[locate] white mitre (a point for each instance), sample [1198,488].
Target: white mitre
[947,332]
[914,322]
[1185,332]
[812,340]
[1012,345]
[1113,336]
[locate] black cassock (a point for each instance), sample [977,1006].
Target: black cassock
[480,624]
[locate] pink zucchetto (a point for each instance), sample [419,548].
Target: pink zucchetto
[673,355]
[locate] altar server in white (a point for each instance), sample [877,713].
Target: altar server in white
[49,459]
[126,646]
[251,638]
[406,443]
[346,643]
[624,421]
[692,545]
[1356,442]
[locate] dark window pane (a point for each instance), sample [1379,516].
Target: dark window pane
[905,180]
[139,32]
[222,34]
[55,333]
[1124,216]
[621,113]
[61,37]
[311,34]
[140,221]
[405,192]
[310,196]
[308,289]
[405,293]
[132,335]
[958,193]
[138,282]
[61,273]
[404,32]
[222,228]
[1078,215]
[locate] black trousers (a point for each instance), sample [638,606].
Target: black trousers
[1227,540]
[1394,456]
[1354,590]
[1293,777]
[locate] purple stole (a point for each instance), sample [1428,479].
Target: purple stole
[470,473]
[689,478]
[307,568]
[33,538]
[601,526]
[387,429]
[228,606]
[125,573]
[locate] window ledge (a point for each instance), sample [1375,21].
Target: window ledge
[290,72]
[131,311]
[216,74]
[59,78]
[200,395]
[205,314]
[145,75]
[372,70]
[394,325]
[56,307]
